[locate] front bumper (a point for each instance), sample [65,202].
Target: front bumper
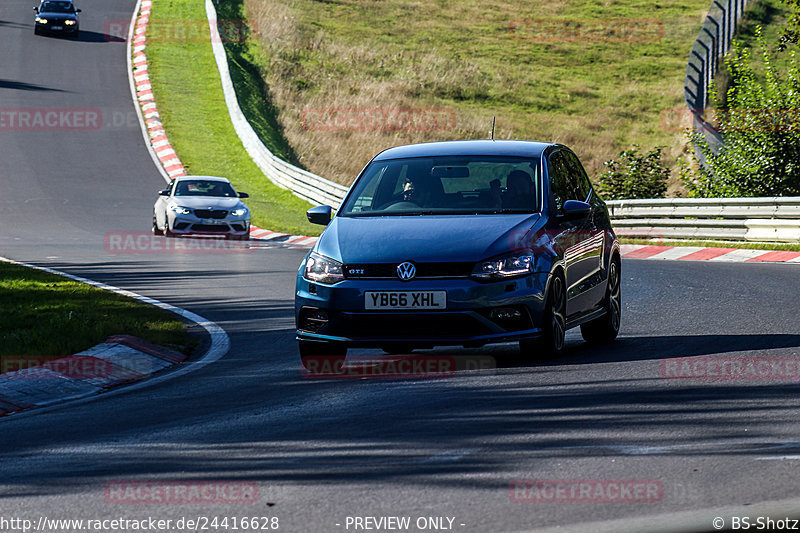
[470,317]
[57,27]
[192,225]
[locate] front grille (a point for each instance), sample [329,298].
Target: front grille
[410,325]
[209,228]
[208,213]
[424,270]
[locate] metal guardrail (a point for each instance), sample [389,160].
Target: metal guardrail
[773,219]
[711,45]
[308,186]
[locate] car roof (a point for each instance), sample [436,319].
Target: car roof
[208,178]
[509,148]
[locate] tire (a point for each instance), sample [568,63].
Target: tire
[36,31]
[322,357]
[605,329]
[552,342]
[167,231]
[156,231]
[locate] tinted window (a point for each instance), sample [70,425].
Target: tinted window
[582,183]
[204,188]
[562,186]
[446,185]
[57,7]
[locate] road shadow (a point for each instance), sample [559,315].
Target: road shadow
[9,24]
[86,36]
[22,86]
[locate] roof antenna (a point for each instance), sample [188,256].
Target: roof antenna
[492,133]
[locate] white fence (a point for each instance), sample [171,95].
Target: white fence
[304,184]
[772,219]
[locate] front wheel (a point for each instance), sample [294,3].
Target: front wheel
[167,232]
[606,328]
[552,343]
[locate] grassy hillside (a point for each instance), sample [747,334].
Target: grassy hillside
[598,75]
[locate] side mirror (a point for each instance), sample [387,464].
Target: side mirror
[576,209]
[244,195]
[163,192]
[77,11]
[319,215]
[36,9]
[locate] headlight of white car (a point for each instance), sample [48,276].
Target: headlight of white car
[180,209]
[323,269]
[509,266]
[239,212]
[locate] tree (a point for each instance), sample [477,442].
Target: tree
[761,130]
[791,31]
[634,175]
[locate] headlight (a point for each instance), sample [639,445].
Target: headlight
[180,209]
[323,269]
[69,22]
[239,212]
[510,266]
[41,20]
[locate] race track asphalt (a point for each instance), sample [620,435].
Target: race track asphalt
[322,450]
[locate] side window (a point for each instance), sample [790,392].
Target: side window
[561,188]
[581,180]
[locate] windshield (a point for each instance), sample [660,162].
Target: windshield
[204,188]
[446,185]
[57,7]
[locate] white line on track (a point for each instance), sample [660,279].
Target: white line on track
[220,342]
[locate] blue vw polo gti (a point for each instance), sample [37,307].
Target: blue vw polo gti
[462,243]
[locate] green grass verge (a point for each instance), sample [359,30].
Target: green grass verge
[189,96]
[717,244]
[49,315]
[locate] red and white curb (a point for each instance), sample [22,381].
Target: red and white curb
[120,360]
[144,96]
[697,253]
[156,136]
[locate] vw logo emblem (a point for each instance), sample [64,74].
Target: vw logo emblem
[406,271]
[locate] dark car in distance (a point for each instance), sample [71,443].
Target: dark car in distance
[462,243]
[56,17]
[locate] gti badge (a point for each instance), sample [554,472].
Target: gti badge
[406,271]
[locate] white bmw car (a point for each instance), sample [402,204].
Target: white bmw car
[201,205]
